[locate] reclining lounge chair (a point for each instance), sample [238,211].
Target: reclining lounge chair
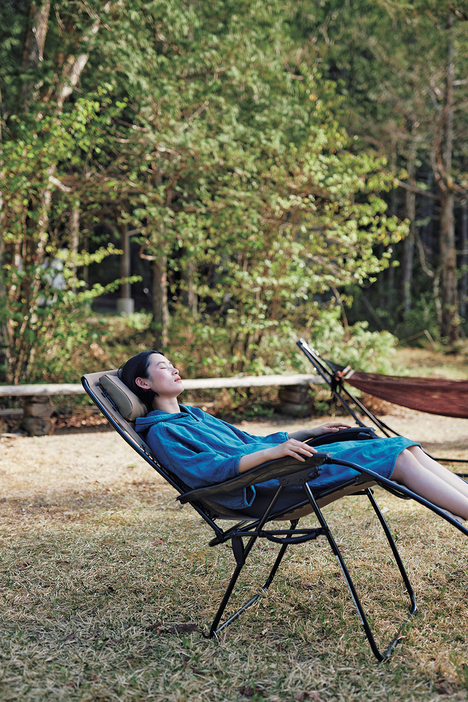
[121,407]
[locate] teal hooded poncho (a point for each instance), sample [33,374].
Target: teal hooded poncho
[203,450]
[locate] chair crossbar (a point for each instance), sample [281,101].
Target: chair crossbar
[286,536]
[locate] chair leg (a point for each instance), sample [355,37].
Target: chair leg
[357,603]
[215,629]
[396,555]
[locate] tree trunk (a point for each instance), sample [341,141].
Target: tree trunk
[35,38]
[4,345]
[464,259]
[190,295]
[33,49]
[443,174]
[408,244]
[393,211]
[125,304]
[160,308]
[448,269]
[74,238]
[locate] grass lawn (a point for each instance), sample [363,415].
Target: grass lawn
[107,586]
[426,362]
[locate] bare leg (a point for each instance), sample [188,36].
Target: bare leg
[418,478]
[443,473]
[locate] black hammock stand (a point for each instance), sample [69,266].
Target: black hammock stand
[334,376]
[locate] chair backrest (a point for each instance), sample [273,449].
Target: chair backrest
[122,407]
[120,402]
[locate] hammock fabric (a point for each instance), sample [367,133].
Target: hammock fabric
[435,396]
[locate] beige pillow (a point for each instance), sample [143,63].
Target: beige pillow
[130,406]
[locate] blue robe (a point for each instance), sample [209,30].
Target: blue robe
[203,450]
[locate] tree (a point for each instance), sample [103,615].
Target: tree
[236,162]
[200,130]
[399,66]
[39,136]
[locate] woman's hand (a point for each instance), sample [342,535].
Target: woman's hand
[329,428]
[291,447]
[294,448]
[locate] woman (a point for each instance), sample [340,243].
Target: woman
[203,450]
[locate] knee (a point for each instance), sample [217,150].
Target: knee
[405,462]
[414,450]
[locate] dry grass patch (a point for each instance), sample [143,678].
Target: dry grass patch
[107,585]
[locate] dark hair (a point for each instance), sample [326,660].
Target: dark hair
[137,367]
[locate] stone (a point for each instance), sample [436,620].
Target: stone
[297,394]
[38,407]
[37,426]
[295,410]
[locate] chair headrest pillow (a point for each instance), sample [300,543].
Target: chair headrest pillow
[130,406]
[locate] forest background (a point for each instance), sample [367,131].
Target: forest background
[246,171]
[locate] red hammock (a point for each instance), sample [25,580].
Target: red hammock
[446,397]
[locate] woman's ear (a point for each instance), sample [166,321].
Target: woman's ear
[142,383]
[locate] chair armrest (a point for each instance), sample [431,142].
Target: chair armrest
[279,469]
[351,434]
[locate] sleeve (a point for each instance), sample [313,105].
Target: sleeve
[274,439]
[198,468]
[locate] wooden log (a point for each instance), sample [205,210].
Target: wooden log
[11,413]
[43,389]
[247,381]
[37,412]
[250,381]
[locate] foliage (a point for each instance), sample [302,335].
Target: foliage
[42,288]
[356,346]
[401,68]
[420,321]
[201,130]
[241,175]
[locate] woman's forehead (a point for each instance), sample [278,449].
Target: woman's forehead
[157,358]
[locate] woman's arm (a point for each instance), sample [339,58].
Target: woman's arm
[328,428]
[291,447]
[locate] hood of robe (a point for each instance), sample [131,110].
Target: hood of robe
[157,416]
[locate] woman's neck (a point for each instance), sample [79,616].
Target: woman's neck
[166,404]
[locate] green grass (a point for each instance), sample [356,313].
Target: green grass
[102,570]
[426,362]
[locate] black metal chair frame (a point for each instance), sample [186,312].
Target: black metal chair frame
[289,472]
[328,371]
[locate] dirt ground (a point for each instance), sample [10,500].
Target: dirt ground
[100,565]
[39,469]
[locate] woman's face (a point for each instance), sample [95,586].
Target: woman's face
[162,378]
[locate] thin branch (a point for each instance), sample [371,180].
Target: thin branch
[55,181]
[422,256]
[416,190]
